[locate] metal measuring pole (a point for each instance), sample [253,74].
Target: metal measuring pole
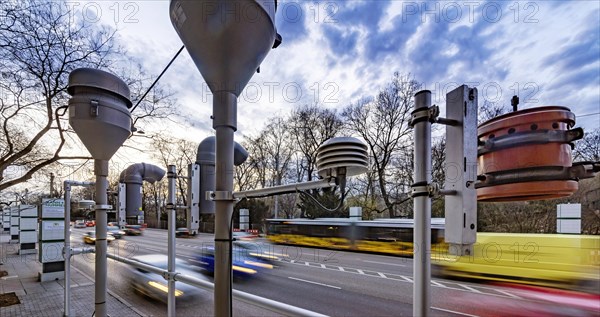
[101,171]
[422,204]
[171,210]
[224,122]
[67,248]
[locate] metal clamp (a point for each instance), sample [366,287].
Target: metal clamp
[169,276]
[430,190]
[528,138]
[101,207]
[422,189]
[424,114]
[577,171]
[219,195]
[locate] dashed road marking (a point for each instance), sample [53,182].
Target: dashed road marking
[507,293]
[385,263]
[437,284]
[312,282]
[470,288]
[402,278]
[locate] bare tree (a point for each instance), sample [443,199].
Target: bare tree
[384,124]
[310,127]
[588,148]
[489,110]
[41,42]
[271,154]
[39,47]
[179,152]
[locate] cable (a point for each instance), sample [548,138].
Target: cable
[157,78]
[340,204]
[588,114]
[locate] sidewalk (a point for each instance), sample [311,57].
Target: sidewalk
[19,275]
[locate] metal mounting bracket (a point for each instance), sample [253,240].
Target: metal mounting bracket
[424,114]
[219,195]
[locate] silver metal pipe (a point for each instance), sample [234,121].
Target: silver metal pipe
[101,171]
[277,307]
[171,210]
[67,249]
[422,210]
[224,123]
[275,190]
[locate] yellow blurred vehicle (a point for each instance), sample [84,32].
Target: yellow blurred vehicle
[90,237]
[555,260]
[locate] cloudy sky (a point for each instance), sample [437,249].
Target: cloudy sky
[335,52]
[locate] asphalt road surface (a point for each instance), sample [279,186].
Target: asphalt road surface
[328,282]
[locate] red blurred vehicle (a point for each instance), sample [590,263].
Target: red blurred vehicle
[91,223]
[533,301]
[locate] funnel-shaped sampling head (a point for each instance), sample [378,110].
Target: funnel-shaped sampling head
[227,40]
[98,111]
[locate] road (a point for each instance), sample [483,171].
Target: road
[329,282]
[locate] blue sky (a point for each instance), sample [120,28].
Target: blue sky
[336,52]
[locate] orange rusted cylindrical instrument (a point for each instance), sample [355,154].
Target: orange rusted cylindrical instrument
[526,155]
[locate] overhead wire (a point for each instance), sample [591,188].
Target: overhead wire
[158,78]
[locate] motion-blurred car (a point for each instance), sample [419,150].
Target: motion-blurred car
[183,233]
[247,236]
[90,237]
[113,224]
[263,251]
[244,265]
[133,230]
[155,286]
[115,232]
[90,223]
[79,224]
[532,301]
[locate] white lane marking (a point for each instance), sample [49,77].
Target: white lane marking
[470,288]
[153,249]
[507,293]
[341,269]
[454,312]
[382,275]
[360,271]
[394,264]
[317,283]
[406,278]
[9,277]
[323,266]
[437,284]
